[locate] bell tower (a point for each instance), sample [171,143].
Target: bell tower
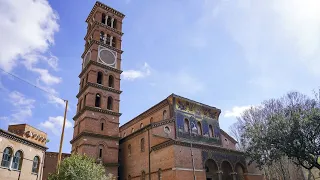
[96,123]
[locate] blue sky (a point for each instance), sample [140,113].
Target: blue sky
[227,54]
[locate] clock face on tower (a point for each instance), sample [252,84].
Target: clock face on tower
[107,56]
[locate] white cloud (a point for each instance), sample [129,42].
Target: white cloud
[22,107]
[135,74]
[54,124]
[236,111]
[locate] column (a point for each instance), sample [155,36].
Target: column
[111,38]
[112,22]
[220,175]
[106,22]
[234,175]
[105,38]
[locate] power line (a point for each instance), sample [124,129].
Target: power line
[29,83]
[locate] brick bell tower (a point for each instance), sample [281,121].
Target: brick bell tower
[96,124]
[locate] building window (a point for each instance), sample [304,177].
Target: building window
[102,125]
[159,174]
[143,175]
[6,157]
[129,149]
[110,103]
[124,134]
[99,78]
[164,115]
[114,24]
[111,81]
[199,128]
[82,84]
[100,151]
[17,160]
[35,164]
[210,131]
[186,126]
[109,21]
[108,39]
[103,19]
[102,36]
[141,125]
[114,42]
[84,100]
[142,144]
[98,99]
[132,130]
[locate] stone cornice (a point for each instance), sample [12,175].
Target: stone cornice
[91,134]
[19,139]
[99,86]
[194,145]
[101,44]
[145,113]
[163,122]
[103,6]
[95,109]
[100,65]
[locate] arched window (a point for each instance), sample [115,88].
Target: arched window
[111,81]
[124,134]
[109,21]
[103,19]
[143,175]
[108,39]
[35,164]
[210,131]
[102,126]
[6,157]
[132,130]
[17,160]
[164,115]
[141,125]
[114,42]
[142,145]
[99,78]
[186,126]
[115,23]
[102,36]
[98,99]
[110,103]
[129,149]
[159,174]
[199,128]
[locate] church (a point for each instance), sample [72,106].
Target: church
[177,138]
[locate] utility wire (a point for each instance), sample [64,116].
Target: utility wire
[29,83]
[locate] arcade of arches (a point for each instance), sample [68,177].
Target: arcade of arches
[224,171]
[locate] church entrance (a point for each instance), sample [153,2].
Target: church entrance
[226,170]
[211,170]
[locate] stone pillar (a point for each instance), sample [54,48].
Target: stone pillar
[234,175]
[112,22]
[106,21]
[105,39]
[220,175]
[111,38]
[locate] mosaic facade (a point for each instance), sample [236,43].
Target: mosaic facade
[195,113]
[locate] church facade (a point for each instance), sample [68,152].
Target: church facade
[178,138]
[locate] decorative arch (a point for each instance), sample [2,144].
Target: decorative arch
[164,115]
[103,18]
[141,125]
[142,144]
[110,103]
[211,169]
[99,77]
[111,81]
[226,169]
[97,100]
[6,156]
[210,131]
[199,128]
[240,170]
[186,125]
[102,36]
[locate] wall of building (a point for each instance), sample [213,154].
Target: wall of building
[29,152]
[50,163]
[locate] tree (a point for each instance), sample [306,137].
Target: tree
[284,127]
[78,167]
